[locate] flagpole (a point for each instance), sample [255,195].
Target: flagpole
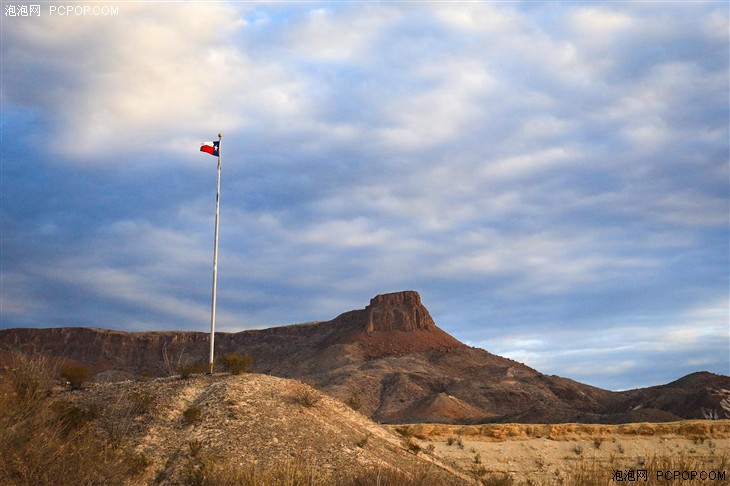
[215,256]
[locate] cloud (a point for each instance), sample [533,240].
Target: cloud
[548,176]
[690,340]
[124,93]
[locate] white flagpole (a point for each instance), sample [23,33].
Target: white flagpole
[215,256]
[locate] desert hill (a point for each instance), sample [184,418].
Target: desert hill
[392,362]
[204,429]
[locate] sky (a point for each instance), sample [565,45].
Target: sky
[553,178]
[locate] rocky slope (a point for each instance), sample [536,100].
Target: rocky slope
[393,362]
[223,429]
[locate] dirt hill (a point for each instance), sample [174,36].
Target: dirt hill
[202,430]
[391,361]
[255,420]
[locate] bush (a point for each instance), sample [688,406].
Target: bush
[204,470]
[305,396]
[192,415]
[142,402]
[45,442]
[413,447]
[188,370]
[363,442]
[236,363]
[29,379]
[353,401]
[76,375]
[495,479]
[72,417]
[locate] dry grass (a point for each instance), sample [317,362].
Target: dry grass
[48,437]
[47,442]
[236,363]
[76,375]
[305,396]
[203,470]
[657,469]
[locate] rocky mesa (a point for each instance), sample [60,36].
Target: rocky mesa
[393,363]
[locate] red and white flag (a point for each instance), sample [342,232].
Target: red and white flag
[210,148]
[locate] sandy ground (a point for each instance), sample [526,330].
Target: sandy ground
[528,459]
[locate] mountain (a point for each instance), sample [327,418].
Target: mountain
[392,362]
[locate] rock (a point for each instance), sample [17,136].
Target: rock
[398,311]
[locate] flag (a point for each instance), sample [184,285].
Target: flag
[210,148]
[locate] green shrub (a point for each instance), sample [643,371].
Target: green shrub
[237,363]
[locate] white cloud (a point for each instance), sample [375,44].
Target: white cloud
[547,167]
[598,24]
[333,34]
[609,356]
[155,68]
[481,17]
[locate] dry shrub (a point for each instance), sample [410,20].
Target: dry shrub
[236,363]
[405,431]
[354,402]
[205,470]
[118,418]
[76,375]
[71,416]
[27,380]
[192,415]
[187,370]
[143,403]
[494,479]
[305,396]
[46,442]
[412,446]
[591,472]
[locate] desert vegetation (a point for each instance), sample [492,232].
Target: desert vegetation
[76,375]
[49,441]
[304,395]
[54,431]
[204,470]
[237,363]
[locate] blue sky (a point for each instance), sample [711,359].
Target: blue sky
[553,178]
